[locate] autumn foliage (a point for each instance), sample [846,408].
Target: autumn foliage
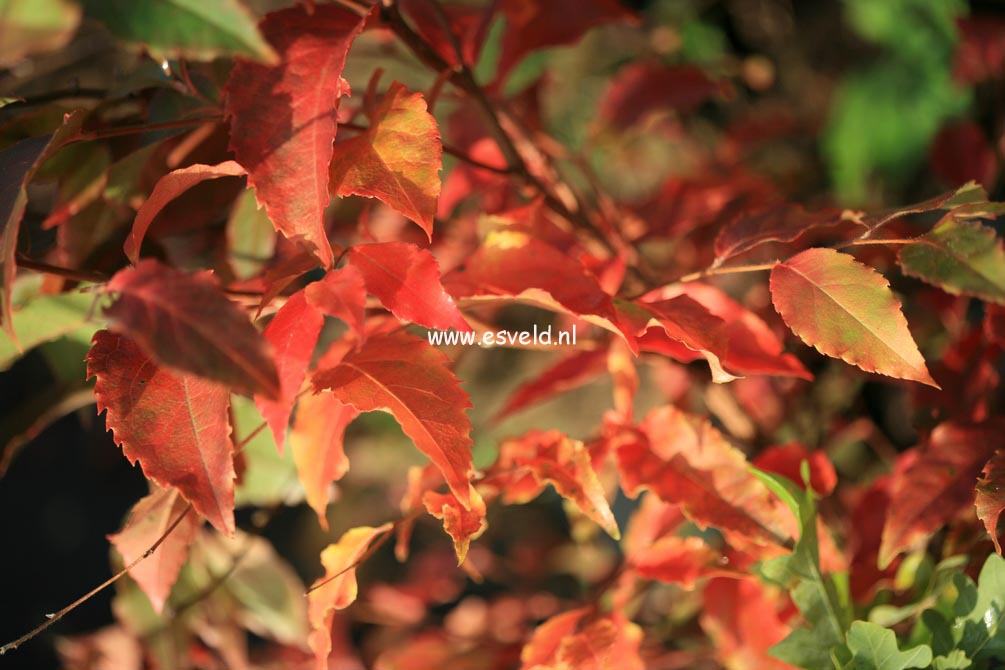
[776,441]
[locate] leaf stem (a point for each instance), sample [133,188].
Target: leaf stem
[728,270]
[862,241]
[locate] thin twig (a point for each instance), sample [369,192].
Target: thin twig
[69,273]
[87,136]
[53,618]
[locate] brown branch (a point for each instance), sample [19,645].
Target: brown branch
[69,273]
[88,136]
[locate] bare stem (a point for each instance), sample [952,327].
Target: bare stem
[861,242]
[105,133]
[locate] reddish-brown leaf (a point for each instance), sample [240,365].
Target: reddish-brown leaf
[186,322]
[469,23]
[961,153]
[529,463]
[147,522]
[939,484]
[341,294]
[535,24]
[463,525]
[568,373]
[174,423]
[406,280]
[169,187]
[283,117]
[744,620]
[787,459]
[397,160]
[293,332]
[317,444]
[777,223]
[642,88]
[846,310]
[401,374]
[19,163]
[512,263]
[682,459]
[990,499]
[339,561]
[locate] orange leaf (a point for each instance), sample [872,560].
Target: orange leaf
[846,310]
[175,424]
[402,374]
[682,459]
[317,444]
[147,521]
[527,464]
[397,160]
[461,524]
[339,561]
[743,619]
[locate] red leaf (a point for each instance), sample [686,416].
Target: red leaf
[397,160]
[568,373]
[743,620]
[293,333]
[322,602]
[146,524]
[535,24]
[317,444]
[990,499]
[787,459]
[461,524]
[175,424]
[169,187]
[529,463]
[406,279]
[186,322]
[682,459]
[19,163]
[680,327]
[846,310]
[402,374]
[641,88]
[939,484]
[512,263]
[283,117]
[777,223]
[341,294]
[751,346]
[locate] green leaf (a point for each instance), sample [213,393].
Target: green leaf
[268,479]
[846,310]
[46,318]
[29,27]
[196,29]
[251,237]
[954,660]
[875,648]
[960,257]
